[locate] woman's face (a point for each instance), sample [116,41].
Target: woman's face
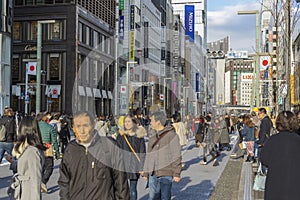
[128,123]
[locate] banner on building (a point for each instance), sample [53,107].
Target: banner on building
[131,17]
[131,46]
[146,39]
[189,21]
[121,5]
[121,28]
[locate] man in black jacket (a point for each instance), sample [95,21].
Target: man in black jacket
[92,166]
[8,121]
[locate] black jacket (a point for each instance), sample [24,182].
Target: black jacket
[92,173]
[132,165]
[264,130]
[11,128]
[281,155]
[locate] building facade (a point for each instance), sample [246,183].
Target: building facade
[77,52]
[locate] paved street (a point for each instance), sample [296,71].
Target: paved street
[197,180]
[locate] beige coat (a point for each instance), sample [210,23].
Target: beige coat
[30,163]
[181,132]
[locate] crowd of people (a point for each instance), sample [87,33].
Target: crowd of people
[107,156]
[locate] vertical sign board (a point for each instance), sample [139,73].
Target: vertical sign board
[131,34]
[121,29]
[197,85]
[189,21]
[131,17]
[121,5]
[131,48]
[146,39]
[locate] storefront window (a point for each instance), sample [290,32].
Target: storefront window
[33,30]
[54,66]
[17,30]
[15,68]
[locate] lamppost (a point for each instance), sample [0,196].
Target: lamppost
[127,81]
[166,92]
[38,63]
[256,69]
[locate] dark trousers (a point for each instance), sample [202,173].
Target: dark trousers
[47,169]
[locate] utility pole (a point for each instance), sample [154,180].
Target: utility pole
[288,56]
[116,59]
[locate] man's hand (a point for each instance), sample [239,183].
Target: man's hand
[176,179]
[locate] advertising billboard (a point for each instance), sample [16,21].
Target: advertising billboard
[189,21]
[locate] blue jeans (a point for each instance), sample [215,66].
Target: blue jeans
[160,187]
[5,146]
[132,186]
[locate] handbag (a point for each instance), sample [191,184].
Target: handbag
[49,151]
[243,145]
[260,180]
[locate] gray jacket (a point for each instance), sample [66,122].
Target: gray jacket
[29,176]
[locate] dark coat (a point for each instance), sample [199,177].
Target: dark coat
[264,130]
[281,155]
[11,128]
[248,133]
[94,172]
[132,165]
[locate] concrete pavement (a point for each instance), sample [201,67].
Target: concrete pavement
[197,181]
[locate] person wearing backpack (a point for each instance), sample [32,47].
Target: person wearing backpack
[9,135]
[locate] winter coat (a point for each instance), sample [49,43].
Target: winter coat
[11,128]
[132,165]
[93,172]
[281,156]
[30,163]
[49,135]
[163,159]
[248,133]
[64,134]
[181,132]
[264,130]
[224,135]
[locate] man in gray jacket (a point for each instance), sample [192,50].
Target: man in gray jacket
[163,159]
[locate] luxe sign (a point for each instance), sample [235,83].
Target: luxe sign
[189,21]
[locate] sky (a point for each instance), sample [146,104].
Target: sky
[223,20]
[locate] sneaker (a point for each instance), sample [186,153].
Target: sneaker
[203,163]
[44,188]
[216,163]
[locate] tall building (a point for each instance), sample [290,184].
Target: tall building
[6,12]
[77,54]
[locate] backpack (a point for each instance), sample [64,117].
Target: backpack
[2,133]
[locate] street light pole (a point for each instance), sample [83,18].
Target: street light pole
[38,63]
[166,93]
[116,57]
[257,74]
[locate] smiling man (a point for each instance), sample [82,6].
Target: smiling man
[91,167]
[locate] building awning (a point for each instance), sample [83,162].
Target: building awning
[97,93]
[104,95]
[110,95]
[89,92]
[81,91]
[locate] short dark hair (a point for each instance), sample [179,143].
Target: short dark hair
[159,116]
[263,110]
[84,113]
[287,121]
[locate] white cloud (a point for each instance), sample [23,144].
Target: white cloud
[239,28]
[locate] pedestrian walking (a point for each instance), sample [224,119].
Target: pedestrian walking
[49,137]
[280,155]
[9,134]
[131,141]
[92,166]
[163,159]
[30,159]
[248,137]
[224,135]
[64,136]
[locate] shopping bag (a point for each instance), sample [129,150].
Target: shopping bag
[260,179]
[259,182]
